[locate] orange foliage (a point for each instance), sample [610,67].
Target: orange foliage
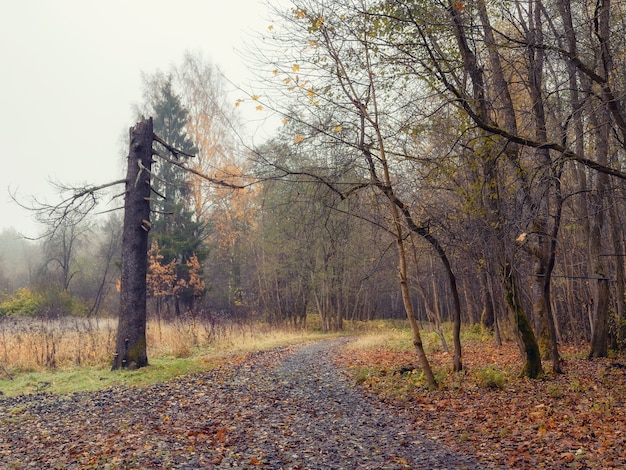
[161,278]
[196,282]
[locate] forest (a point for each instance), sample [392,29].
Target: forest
[445,186]
[451,163]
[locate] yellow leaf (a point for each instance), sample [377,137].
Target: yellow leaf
[270,27]
[287,80]
[295,67]
[337,128]
[255,97]
[238,102]
[275,71]
[310,92]
[298,138]
[299,14]
[285,121]
[259,107]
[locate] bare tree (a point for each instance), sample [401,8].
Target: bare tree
[346,104]
[131,336]
[130,349]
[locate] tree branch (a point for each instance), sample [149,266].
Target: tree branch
[197,173]
[171,148]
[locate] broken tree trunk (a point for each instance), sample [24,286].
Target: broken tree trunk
[130,350]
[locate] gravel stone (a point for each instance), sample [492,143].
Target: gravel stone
[285,409]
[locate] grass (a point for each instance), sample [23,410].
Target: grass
[487,410]
[381,354]
[73,355]
[92,378]
[63,357]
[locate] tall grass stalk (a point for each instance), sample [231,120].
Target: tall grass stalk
[73,354]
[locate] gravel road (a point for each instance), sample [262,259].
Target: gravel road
[287,409]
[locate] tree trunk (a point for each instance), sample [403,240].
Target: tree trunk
[532,367]
[487,316]
[600,320]
[599,121]
[432,312]
[396,206]
[547,284]
[620,292]
[545,249]
[600,334]
[130,352]
[408,307]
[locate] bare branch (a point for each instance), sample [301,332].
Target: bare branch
[172,149]
[197,173]
[70,211]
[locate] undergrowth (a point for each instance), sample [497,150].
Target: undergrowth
[62,356]
[571,420]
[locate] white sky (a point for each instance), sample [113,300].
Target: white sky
[71,71]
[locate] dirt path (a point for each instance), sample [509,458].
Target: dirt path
[288,409]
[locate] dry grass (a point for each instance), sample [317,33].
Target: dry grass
[38,345]
[29,344]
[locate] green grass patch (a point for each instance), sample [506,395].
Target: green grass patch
[83,379]
[476,332]
[362,375]
[491,377]
[172,353]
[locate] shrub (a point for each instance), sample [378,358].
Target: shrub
[491,377]
[49,302]
[363,374]
[476,332]
[22,302]
[555,391]
[56,302]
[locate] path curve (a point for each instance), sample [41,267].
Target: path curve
[288,409]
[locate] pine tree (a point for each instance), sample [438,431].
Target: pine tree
[174,227]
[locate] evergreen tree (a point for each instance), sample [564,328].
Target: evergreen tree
[171,182]
[175,228]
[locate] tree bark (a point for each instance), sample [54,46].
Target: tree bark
[408,306]
[484,111]
[600,123]
[130,351]
[620,282]
[532,367]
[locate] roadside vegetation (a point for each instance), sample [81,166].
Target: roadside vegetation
[571,420]
[74,354]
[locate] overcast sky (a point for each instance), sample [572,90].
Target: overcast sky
[71,72]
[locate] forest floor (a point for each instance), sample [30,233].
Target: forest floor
[575,420]
[334,404]
[283,409]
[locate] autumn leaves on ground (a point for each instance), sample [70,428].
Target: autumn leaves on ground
[574,420]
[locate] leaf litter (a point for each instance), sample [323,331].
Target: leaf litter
[575,420]
[284,409]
